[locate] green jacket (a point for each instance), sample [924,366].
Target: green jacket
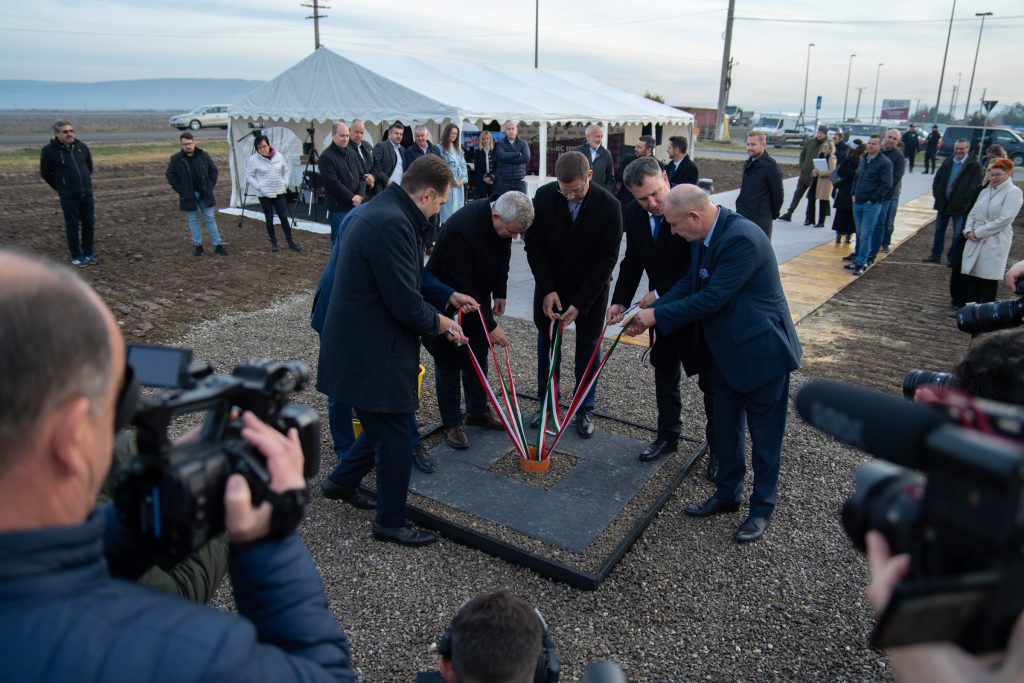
[807,156]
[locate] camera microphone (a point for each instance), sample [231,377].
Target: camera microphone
[883,425]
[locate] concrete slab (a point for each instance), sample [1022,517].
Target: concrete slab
[571,514]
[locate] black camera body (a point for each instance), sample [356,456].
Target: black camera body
[960,517]
[172,497]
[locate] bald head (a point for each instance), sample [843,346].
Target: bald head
[892,138]
[689,211]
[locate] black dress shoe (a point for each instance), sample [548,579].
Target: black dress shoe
[751,529]
[422,461]
[584,426]
[657,449]
[930,259]
[403,535]
[712,506]
[788,216]
[354,497]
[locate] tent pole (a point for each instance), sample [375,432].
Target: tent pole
[542,171]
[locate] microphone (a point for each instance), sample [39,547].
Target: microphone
[883,425]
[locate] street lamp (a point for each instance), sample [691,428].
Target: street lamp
[874,106]
[807,75]
[967,102]
[847,97]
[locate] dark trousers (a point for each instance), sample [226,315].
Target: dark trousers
[980,290]
[585,346]
[507,185]
[763,412]
[667,361]
[929,161]
[335,218]
[79,210]
[801,190]
[451,379]
[910,157]
[271,204]
[957,280]
[384,442]
[339,420]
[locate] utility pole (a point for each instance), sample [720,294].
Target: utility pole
[807,78]
[942,74]
[952,103]
[723,83]
[967,102]
[316,17]
[874,106]
[847,97]
[536,31]
[860,91]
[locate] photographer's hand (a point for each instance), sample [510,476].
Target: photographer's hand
[1015,272]
[244,522]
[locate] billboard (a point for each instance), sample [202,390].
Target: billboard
[896,110]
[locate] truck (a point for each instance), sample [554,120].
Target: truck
[780,130]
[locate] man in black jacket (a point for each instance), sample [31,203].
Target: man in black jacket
[599,157]
[761,195]
[66,166]
[364,152]
[645,146]
[572,249]
[911,143]
[389,158]
[369,349]
[193,175]
[652,247]
[680,168]
[343,178]
[931,148]
[472,256]
[955,188]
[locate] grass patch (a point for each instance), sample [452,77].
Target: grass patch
[26,159]
[737,145]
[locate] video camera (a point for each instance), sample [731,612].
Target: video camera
[990,317]
[172,496]
[960,518]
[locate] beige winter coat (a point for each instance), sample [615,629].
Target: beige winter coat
[823,190]
[991,220]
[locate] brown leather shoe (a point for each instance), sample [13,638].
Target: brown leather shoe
[487,421]
[456,438]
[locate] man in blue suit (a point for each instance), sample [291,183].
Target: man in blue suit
[733,290]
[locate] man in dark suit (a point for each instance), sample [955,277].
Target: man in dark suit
[572,249]
[369,352]
[651,247]
[472,255]
[389,158]
[680,167]
[733,289]
[421,146]
[599,157]
[645,146]
[343,180]
[364,152]
[761,196]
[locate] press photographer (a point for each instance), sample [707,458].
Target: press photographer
[62,615]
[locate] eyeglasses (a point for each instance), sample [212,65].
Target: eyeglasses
[582,190]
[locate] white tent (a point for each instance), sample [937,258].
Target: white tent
[381,88]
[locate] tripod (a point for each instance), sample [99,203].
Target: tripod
[311,177]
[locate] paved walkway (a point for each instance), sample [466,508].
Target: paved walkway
[810,261]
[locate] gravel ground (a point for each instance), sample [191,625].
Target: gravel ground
[686,603]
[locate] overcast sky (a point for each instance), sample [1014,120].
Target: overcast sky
[670,47]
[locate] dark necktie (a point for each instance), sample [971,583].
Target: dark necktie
[655,227]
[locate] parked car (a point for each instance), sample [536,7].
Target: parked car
[206,116]
[1008,138]
[861,131]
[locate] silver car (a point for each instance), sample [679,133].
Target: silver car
[206,116]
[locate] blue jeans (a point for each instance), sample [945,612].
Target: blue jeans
[79,210]
[941,221]
[339,420]
[584,348]
[335,218]
[208,219]
[890,221]
[447,378]
[866,215]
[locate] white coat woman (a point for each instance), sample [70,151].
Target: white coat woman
[267,173]
[989,232]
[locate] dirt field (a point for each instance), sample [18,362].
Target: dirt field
[147,273]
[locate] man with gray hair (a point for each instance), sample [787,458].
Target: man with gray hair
[66,166]
[342,176]
[734,291]
[652,248]
[472,256]
[599,157]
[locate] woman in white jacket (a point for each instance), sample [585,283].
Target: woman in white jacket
[989,232]
[267,173]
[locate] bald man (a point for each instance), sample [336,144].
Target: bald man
[733,290]
[63,616]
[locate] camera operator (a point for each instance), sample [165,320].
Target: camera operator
[62,614]
[935,662]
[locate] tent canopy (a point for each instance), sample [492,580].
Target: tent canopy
[380,87]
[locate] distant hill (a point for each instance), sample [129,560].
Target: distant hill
[162,94]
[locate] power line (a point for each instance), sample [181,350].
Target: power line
[869,22]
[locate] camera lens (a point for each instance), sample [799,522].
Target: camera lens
[999,315]
[915,379]
[886,499]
